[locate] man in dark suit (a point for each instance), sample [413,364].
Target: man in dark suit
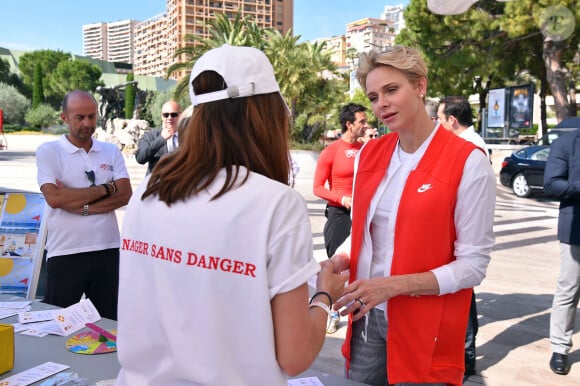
[158,142]
[562,182]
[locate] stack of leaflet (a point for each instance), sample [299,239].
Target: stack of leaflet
[8,309]
[58,321]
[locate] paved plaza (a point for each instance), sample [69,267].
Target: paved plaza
[513,301]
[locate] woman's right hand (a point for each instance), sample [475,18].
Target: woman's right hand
[332,277]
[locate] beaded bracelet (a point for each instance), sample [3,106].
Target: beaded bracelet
[322,293]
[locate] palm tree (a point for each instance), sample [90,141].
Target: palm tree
[298,66]
[222,30]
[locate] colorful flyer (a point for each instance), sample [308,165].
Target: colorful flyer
[91,342]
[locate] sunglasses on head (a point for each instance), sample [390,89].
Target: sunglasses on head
[373,135]
[91,176]
[173,115]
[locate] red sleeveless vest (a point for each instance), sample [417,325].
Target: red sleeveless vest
[426,335]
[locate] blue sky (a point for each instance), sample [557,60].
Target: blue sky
[57,24]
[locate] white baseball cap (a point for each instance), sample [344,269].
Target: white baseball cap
[246,71]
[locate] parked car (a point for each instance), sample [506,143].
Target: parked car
[523,170]
[565,126]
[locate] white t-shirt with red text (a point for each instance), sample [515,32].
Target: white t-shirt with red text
[197,278]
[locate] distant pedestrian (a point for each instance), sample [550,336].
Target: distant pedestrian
[431,108]
[370,133]
[454,114]
[158,142]
[333,182]
[562,182]
[334,173]
[293,171]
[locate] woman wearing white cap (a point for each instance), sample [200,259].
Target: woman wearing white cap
[217,248]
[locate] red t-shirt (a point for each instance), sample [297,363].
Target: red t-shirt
[335,165]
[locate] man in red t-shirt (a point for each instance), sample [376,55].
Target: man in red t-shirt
[336,166]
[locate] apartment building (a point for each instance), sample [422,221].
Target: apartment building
[151,45]
[336,47]
[120,42]
[94,40]
[363,35]
[152,49]
[368,33]
[112,42]
[185,17]
[394,14]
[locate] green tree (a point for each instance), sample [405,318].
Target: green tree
[42,116]
[37,90]
[74,75]
[129,96]
[460,51]
[14,104]
[241,31]
[49,61]
[493,44]
[4,71]
[7,77]
[553,58]
[317,109]
[298,67]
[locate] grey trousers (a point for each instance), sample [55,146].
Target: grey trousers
[368,355]
[565,300]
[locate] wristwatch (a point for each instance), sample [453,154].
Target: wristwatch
[86,210]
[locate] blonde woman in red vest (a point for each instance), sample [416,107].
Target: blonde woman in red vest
[422,233]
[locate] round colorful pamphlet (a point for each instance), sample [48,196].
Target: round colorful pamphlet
[90,343]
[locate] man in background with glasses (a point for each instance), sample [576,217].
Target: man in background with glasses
[158,142]
[83,181]
[370,133]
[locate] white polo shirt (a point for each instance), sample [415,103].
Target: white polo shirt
[70,233]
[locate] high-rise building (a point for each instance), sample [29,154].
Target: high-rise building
[94,40]
[368,33]
[394,14]
[191,16]
[120,42]
[151,55]
[153,43]
[112,42]
[363,35]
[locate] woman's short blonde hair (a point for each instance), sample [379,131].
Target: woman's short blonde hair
[405,59]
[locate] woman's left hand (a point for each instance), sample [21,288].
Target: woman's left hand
[362,295]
